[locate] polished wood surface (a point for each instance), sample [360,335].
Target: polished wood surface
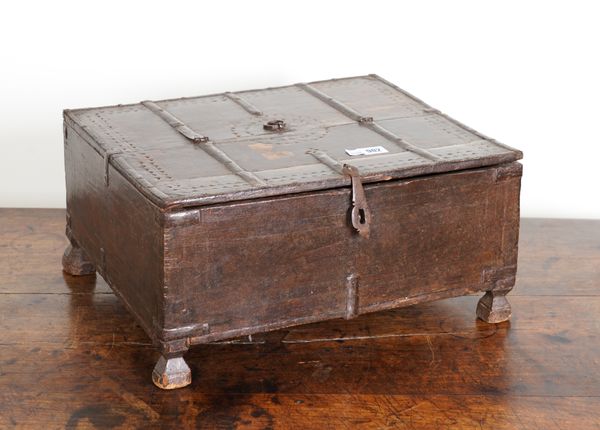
[71,356]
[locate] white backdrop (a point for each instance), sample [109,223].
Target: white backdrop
[525,73]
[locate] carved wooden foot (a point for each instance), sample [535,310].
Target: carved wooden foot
[493,307]
[76,262]
[170,373]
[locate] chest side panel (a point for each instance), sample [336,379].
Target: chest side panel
[118,228]
[439,234]
[242,268]
[253,264]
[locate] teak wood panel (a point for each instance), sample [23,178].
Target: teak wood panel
[243,268]
[439,233]
[118,228]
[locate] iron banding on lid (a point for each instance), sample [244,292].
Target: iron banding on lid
[429,109]
[225,140]
[248,107]
[403,143]
[346,110]
[368,122]
[205,143]
[174,122]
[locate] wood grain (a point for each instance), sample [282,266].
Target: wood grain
[431,237]
[215,272]
[71,356]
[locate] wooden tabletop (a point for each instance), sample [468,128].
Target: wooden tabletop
[72,357]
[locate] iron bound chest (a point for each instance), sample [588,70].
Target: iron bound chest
[230,214]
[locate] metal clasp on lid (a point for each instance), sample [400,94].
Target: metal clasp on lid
[361,215]
[275,125]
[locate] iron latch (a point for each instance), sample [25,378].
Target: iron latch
[361,215]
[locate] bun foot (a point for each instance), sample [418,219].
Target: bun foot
[76,262]
[171,373]
[493,307]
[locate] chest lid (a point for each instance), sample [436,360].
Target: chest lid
[235,146]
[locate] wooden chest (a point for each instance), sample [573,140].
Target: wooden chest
[230,214]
